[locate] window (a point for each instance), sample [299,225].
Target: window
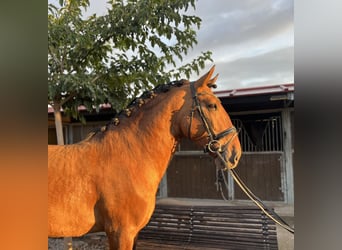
[260,133]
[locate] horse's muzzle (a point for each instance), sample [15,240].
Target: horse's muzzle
[229,158]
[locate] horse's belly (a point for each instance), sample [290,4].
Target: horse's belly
[61,229]
[71,202]
[63,222]
[70,213]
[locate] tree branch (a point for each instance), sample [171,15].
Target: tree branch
[71,95]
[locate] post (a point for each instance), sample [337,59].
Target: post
[231,190]
[163,186]
[288,157]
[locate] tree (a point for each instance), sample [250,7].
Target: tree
[136,45]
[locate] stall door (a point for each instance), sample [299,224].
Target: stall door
[192,176]
[262,174]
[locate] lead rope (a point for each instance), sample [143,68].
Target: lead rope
[254,198]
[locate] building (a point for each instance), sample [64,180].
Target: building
[265,117]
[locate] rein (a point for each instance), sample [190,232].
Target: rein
[257,201]
[214,139]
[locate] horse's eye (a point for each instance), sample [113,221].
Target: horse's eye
[212,106]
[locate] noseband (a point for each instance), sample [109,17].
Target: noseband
[211,146]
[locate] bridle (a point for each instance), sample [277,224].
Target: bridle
[213,139]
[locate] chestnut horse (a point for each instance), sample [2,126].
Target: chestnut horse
[108,182]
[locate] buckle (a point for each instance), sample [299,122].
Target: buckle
[213,146]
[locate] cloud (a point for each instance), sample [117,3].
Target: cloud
[233,22]
[275,67]
[251,41]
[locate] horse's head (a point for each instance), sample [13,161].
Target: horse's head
[206,122]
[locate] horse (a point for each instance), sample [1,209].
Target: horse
[108,181]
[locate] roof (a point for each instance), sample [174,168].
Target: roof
[81,108]
[272,97]
[287,87]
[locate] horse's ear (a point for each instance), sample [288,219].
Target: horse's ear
[212,82]
[205,81]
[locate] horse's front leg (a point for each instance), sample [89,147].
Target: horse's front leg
[135,242]
[121,240]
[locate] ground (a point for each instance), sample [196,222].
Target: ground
[98,241]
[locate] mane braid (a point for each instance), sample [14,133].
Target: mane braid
[133,106]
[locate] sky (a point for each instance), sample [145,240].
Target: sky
[252,41]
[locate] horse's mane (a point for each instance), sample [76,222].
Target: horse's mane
[134,106]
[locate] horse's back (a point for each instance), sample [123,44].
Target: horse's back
[71,192]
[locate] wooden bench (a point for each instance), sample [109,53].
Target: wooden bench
[220,227]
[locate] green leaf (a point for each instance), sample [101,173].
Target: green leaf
[135,45]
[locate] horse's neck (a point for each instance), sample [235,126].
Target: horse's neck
[148,133]
[154,126]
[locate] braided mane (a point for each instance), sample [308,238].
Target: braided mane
[134,105]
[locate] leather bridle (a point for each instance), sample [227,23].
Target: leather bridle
[214,140]
[213,144]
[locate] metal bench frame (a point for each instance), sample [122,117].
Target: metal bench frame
[223,227]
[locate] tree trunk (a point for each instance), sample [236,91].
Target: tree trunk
[58,123]
[60,141]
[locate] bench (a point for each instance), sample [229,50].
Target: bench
[220,227]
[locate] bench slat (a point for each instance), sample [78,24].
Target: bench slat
[225,227]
